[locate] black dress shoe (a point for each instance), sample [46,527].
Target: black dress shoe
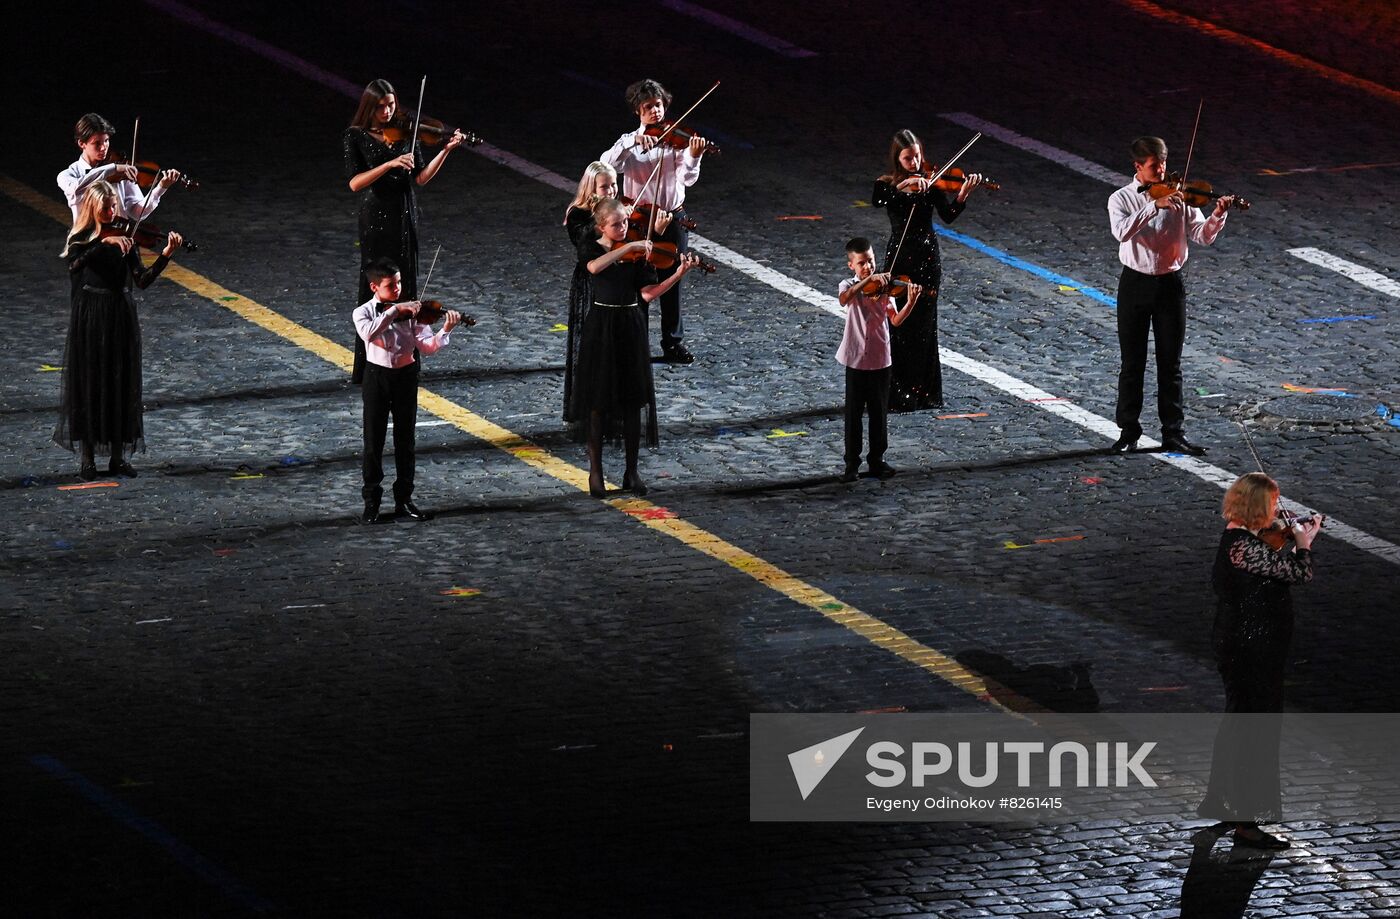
[1126,443]
[1178,444]
[883,471]
[410,510]
[1249,835]
[677,354]
[122,468]
[633,483]
[87,472]
[849,475]
[371,513]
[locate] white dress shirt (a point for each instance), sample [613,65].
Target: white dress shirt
[679,171]
[389,343]
[1152,239]
[132,203]
[865,345]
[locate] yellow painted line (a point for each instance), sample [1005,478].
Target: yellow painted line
[658,518]
[1288,57]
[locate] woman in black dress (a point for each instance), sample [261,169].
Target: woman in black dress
[917,374]
[1253,630]
[612,378]
[386,176]
[599,181]
[101,403]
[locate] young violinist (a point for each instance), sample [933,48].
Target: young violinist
[386,176]
[917,373]
[1152,234]
[93,134]
[865,353]
[639,157]
[394,338]
[612,382]
[599,181]
[100,408]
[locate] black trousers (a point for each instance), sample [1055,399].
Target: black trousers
[867,391]
[389,392]
[672,327]
[1155,303]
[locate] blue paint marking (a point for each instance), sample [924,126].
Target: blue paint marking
[708,132]
[1092,293]
[127,815]
[1338,319]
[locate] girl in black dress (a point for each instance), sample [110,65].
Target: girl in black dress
[612,377]
[101,402]
[1253,630]
[599,181]
[386,174]
[917,374]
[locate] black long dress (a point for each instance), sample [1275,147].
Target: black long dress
[579,224]
[101,401]
[1252,634]
[916,372]
[388,216]
[612,375]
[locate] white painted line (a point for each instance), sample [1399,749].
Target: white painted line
[149,621]
[1069,160]
[1358,273]
[735,27]
[986,373]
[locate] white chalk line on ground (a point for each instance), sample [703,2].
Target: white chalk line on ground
[985,373]
[1358,273]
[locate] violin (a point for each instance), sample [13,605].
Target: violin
[953,180]
[646,213]
[1281,531]
[431,132]
[1196,193]
[148,172]
[898,286]
[147,236]
[663,255]
[430,311]
[676,138]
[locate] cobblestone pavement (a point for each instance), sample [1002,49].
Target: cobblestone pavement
[221,697]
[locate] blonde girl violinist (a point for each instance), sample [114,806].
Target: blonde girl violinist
[386,175]
[101,400]
[917,374]
[599,181]
[612,381]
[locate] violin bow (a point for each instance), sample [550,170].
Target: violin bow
[135,129]
[430,273]
[417,119]
[1191,148]
[938,175]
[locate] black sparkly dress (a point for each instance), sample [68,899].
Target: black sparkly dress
[1252,634]
[101,401]
[388,216]
[916,373]
[612,374]
[579,224]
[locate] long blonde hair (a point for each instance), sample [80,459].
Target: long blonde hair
[587,195]
[86,225]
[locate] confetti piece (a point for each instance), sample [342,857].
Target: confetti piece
[1201,390]
[803,217]
[651,513]
[245,475]
[460,592]
[1066,289]
[292,461]
[1091,480]
[860,204]
[1336,319]
[1317,391]
[48,368]
[86,485]
[1227,360]
[230,299]
[225,553]
[559,327]
[1012,545]
[779,432]
[833,606]
[1060,539]
[967,415]
[887,710]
